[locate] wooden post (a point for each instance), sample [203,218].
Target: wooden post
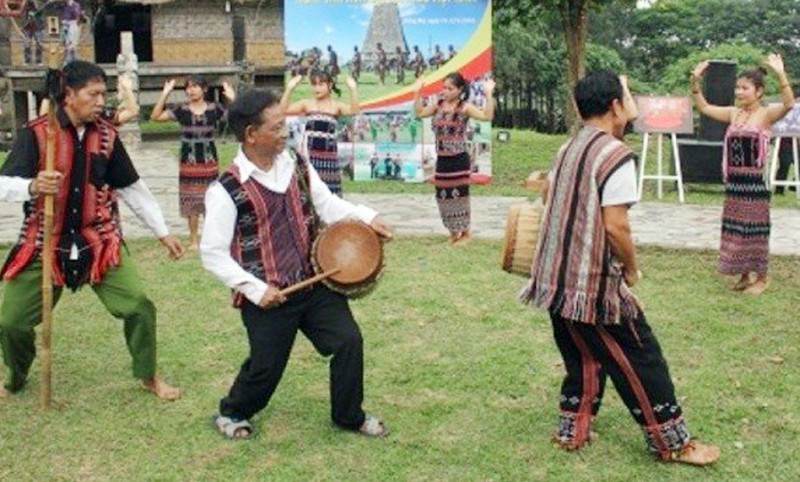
[47,250]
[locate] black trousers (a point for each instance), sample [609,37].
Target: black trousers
[324,317]
[630,354]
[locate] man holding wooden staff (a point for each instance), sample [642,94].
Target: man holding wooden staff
[261,219]
[92,168]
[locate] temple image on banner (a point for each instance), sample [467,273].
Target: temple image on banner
[386,47]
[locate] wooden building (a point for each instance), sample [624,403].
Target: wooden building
[171,37]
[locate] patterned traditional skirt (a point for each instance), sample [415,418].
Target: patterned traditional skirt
[194,180]
[322,150]
[323,155]
[452,191]
[744,244]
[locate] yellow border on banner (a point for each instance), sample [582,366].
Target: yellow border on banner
[477,44]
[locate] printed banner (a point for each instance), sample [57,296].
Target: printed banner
[385,46]
[788,125]
[664,115]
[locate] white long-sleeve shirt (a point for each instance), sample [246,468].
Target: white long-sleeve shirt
[137,196]
[220,219]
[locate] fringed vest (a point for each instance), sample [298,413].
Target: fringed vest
[574,274]
[274,231]
[99,222]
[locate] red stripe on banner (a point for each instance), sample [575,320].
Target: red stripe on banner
[475,68]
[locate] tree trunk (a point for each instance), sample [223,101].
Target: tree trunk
[574,19]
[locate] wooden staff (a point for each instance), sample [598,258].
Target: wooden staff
[47,250]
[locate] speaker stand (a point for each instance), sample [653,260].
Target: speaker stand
[773,169]
[660,176]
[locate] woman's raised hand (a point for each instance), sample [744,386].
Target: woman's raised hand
[700,70]
[294,82]
[488,86]
[418,85]
[169,86]
[228,91]
[774,62]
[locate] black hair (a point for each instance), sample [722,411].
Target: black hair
[247,108]
[318,75]
[756,76]
[198,80]
[77,74]
[460,82]
[595,93]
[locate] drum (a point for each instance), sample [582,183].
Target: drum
[522,236]
[354,251]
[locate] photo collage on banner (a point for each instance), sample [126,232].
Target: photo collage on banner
[385,46]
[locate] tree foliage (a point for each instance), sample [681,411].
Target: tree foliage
[675,79]
[651,40]
[573,16]
[542,46]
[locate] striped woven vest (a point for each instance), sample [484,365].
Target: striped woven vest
[100,222]
[274,231]
[575,274]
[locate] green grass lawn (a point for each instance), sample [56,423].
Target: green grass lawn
[466,378]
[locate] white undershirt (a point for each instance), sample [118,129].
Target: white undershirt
[220,219]
[620,187]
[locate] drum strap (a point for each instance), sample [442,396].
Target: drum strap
[303,178]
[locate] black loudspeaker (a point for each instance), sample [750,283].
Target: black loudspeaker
[701,161]
[239,45]
[718,89]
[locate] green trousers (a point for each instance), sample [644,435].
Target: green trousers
[120,291]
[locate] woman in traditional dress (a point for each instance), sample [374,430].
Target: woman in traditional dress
[198,158]
[319,142]
[450,116]
[744,243]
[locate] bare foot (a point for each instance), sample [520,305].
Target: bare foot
[696,453]
[463,239]
[758,287]
[194,246]
[743,283]
[161,389]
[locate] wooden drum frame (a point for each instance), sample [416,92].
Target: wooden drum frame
[521,237]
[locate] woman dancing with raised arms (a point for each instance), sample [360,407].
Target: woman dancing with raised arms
[198,158]
[450,116]
[744,244]
[319,143]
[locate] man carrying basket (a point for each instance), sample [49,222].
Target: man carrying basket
[261,219]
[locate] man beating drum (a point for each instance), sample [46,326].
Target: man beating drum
[261,219]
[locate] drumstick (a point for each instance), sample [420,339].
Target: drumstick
[291,289]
